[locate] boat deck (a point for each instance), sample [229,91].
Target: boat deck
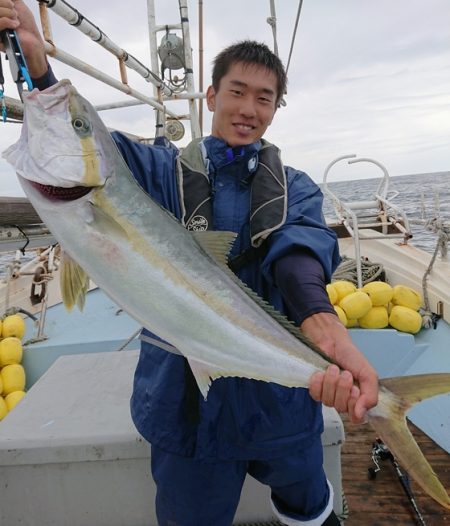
[382,501]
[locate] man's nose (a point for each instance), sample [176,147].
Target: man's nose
[248,107]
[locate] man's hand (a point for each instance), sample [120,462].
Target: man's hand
[16,15]
[355,388]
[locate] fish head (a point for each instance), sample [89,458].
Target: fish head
[64,146]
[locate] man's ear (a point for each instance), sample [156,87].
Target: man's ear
[211,98]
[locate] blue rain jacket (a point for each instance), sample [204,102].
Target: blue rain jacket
[242,418]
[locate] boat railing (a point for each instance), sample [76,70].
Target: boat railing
[361,217]
[40,270]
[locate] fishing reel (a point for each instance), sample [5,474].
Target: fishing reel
[379,452]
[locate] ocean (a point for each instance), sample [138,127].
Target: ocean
[421,196]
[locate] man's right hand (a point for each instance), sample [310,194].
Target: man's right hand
[14,14]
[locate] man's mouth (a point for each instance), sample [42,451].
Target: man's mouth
[58,193]
[243,127]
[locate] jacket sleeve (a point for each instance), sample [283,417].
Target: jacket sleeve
[301,280]
[154,168]
[45,81]
[304,228]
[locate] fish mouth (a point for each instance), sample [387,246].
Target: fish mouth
[59,193]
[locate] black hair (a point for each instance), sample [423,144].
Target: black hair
[249,52]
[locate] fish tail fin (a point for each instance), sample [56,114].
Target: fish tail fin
[74,283]
[388,418]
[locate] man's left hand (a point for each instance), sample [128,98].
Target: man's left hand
[354,387]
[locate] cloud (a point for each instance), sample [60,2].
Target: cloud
[365,77]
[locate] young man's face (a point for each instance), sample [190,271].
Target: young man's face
[244,105]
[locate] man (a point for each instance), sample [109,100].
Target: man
[234,180]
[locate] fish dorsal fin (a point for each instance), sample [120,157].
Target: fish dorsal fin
[285,322]
[216,243]
[74,283]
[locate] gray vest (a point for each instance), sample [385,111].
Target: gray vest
[268,192]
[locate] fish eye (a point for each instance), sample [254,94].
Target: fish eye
[81,125]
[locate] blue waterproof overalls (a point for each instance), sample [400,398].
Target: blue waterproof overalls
[273,432]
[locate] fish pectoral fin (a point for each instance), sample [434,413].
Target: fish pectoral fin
[74,283]
[216,243]
[105,223]
[397,395]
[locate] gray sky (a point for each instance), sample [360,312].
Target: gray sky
[366,77]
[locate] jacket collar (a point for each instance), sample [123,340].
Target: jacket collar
[217,154]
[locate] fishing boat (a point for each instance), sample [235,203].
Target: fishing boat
[71,442]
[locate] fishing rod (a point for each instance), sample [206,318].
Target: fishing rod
[16,59]
[381,452]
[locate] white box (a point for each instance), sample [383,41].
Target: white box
[70,455]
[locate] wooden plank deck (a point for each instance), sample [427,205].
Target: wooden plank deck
[382,501]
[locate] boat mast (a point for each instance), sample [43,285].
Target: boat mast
[200,62]
[183,26]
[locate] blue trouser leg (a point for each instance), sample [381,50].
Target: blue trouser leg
[198,493]
[190,492]
[300,491]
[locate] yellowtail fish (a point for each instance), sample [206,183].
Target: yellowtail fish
[174,283]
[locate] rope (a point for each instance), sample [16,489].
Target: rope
[130,339]
[345,510]
[436,226]
[347,271]
[272,21]
[294,34]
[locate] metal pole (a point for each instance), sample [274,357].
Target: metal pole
[195,127]
[75,63]
[200,63]
[153,44]
[71,15]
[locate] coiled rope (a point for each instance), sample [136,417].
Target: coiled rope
[370,271]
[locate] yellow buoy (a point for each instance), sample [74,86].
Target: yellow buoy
[376,318]
[3,408]
[13,325]
[332,294]
[351,323]
[13,377]
[13,399]
[343,288]
[1,385]
[10,351]
[406,297]
[405,319]
[341,314]
[380,293]
[356,304]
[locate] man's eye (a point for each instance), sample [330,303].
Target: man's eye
[236,92]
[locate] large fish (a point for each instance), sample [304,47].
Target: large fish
[174,283]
